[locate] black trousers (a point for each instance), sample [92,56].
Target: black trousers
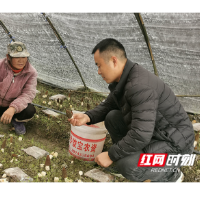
[24,115]
[127,166]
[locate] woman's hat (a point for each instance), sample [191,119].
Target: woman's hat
[17,49]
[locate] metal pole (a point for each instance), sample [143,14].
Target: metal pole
[48,108]
[6,30]
[63,44]
[143,29]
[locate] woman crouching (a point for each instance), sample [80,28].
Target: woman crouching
[18,80]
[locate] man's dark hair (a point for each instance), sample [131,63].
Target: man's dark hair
[110,45]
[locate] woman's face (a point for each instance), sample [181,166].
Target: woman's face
[18,62]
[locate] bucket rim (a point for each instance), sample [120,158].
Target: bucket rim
[87,139]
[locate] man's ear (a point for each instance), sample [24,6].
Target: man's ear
[115,60]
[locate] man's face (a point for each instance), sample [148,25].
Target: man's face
[107,69]
[18,63]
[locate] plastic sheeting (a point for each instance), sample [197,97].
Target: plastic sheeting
[173,38]
[175,44]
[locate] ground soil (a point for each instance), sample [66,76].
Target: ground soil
[52,134]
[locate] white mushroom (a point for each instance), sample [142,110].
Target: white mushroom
[56,179]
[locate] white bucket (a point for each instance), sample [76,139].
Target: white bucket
[87,141]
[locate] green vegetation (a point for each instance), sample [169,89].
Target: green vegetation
[51,134]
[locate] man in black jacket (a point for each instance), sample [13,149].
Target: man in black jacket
[141,113]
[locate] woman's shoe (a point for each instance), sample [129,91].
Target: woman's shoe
[20,129]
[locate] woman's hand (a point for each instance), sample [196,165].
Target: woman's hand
[7,115]
[79,119]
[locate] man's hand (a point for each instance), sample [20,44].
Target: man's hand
[79,119]
[103,159]
[7,115]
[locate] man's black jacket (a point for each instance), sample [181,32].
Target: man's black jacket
[157,122]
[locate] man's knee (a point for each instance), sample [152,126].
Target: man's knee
[112,117]
[113,114]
